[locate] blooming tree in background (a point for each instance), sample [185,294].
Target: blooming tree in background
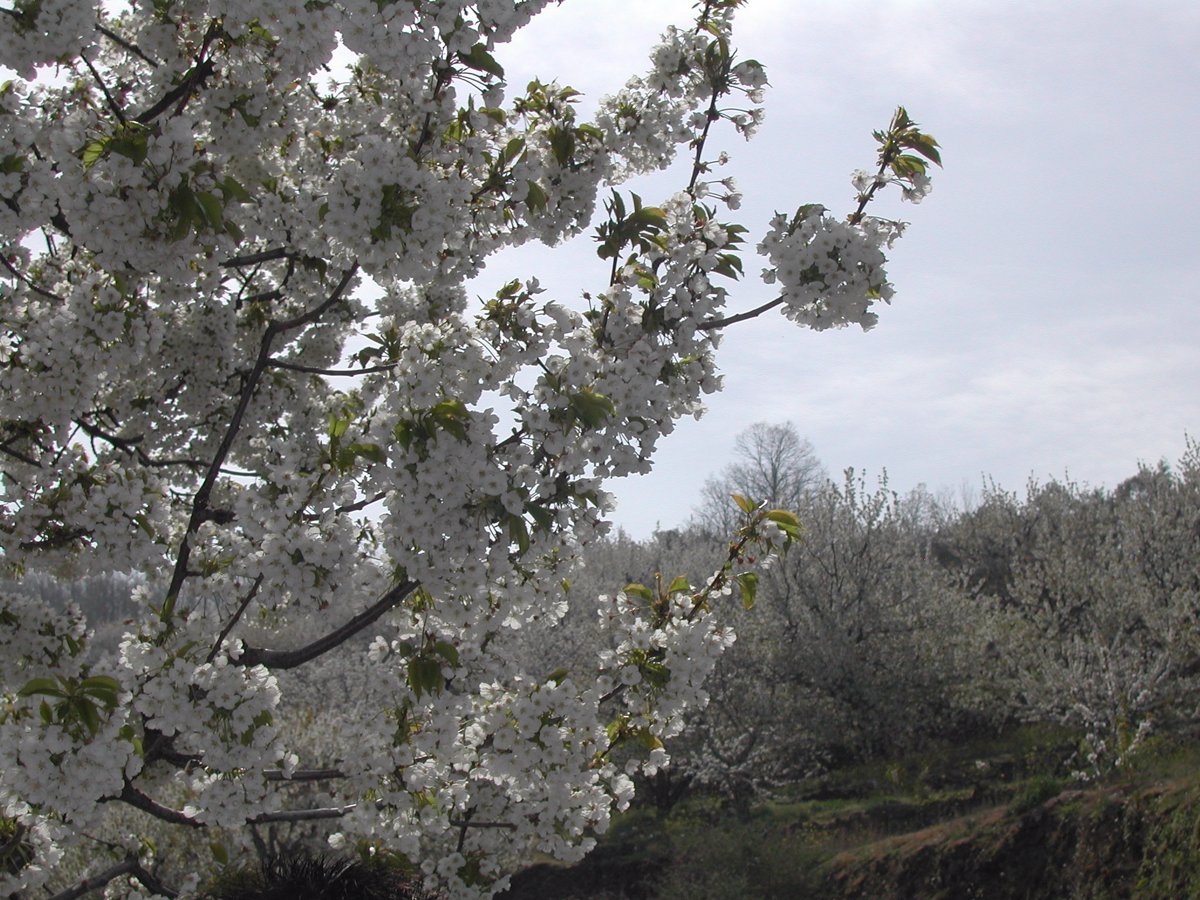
[197,388]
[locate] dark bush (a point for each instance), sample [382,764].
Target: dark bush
[304,876]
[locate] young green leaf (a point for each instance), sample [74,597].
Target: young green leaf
[748,582]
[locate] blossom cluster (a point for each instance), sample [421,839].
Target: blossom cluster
[239,359]
[830,272]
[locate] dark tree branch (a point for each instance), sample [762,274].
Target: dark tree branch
[128,866]
[193,80]
[200,504]
[159,746]
[253,592]
[108,97]
[466,823]
[303,815]
[314,370]
[253,259]
[305,775]
[179,95]
[740,317]
[361,504]
[19,456]
[131,47]
[290,659]
[130,446]
[25,280]
[138,800]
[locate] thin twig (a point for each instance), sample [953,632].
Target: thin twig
[303,815]
[305,775]
[740,317]
[28,283]
[314,370]
[128,45]
[251,259]
[108,97]
[216,647]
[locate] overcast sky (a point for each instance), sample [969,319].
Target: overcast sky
[1046,320]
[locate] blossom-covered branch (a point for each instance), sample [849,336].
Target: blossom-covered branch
[199,388]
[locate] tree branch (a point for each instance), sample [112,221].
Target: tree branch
[130,446]
[200,502]
[135,798]
[303,815]
[128,866]
[252,259]
[131,47]
[313,370]
[740,317]
[216,647]
[290,659]
[29,284]
[305,775]
[108,97]
[180,94]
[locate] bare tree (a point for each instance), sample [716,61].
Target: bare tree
[772,464]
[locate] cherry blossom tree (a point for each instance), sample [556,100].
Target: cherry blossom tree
[1098,625]
[239,361]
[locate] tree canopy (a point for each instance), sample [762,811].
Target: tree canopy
[200,390]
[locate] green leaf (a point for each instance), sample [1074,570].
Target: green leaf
[231,189]
[925,145]
[373,452]
[744,503]
[640,591]
[656,674]
[518,533]
[424,675]
[787,522]
[93,152]
[220,854]
[86,712]
[512,150]
[48,687]
[447,651]
[213,211]
[679,585]
[542,516]
[479,59]
[131,142]
[337,426]
[558,676]
[591,407]
[562,145]
[783,517]
[104,688]
[615,728]
[536,197]
[648,739]
[908,164]
[748,582]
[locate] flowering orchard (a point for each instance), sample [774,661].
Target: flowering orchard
[197,389]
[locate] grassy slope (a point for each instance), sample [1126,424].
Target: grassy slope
[992,820]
